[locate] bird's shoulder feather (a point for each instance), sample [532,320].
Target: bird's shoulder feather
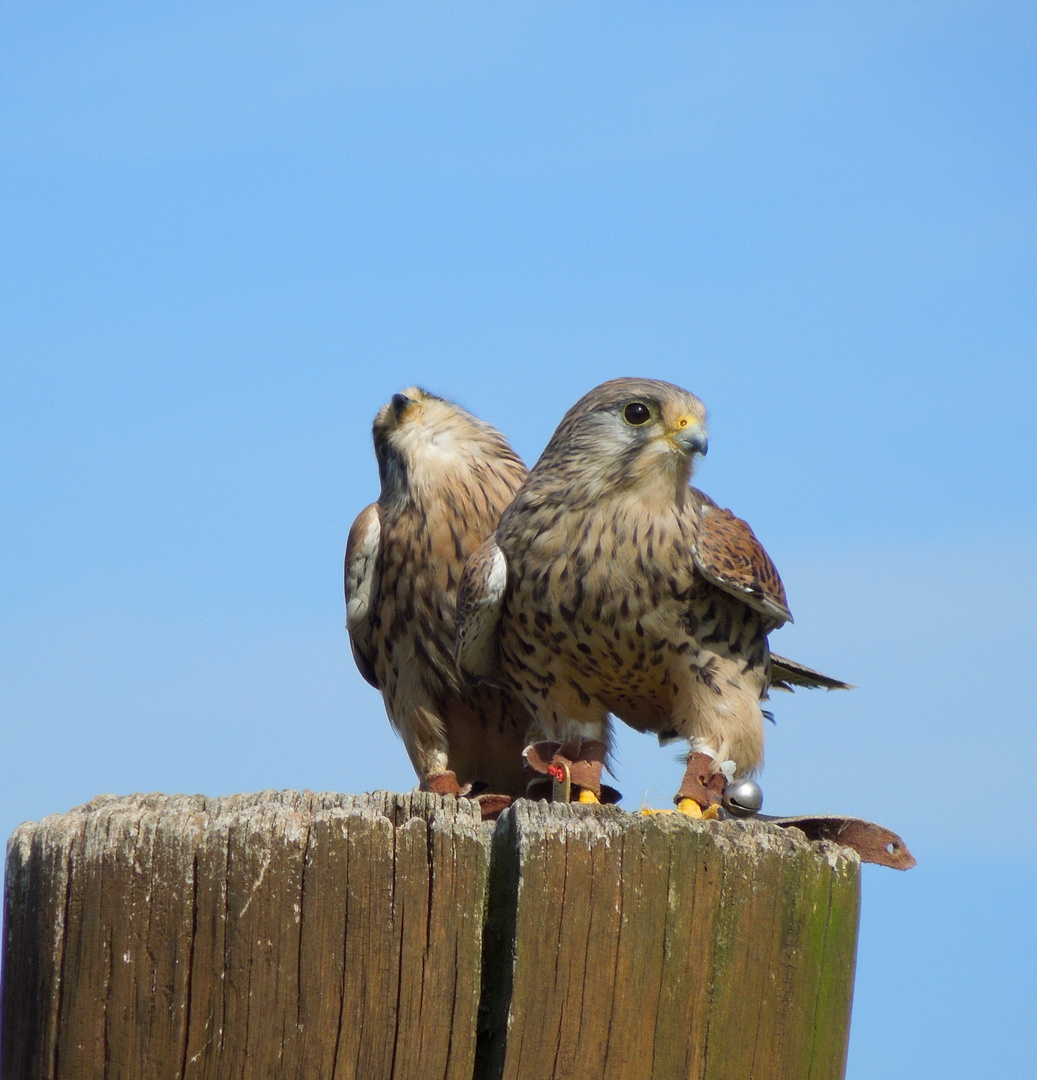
[359,574]
[727,553]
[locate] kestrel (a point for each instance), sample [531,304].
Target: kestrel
[445,478]
[613,586]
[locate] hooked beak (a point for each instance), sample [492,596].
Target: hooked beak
[399,403]
[692,439]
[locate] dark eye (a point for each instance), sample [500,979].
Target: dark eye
[637,413]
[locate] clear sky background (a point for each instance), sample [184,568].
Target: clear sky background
[230,232]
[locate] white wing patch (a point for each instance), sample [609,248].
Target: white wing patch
[479,600]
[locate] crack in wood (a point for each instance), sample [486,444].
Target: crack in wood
[397,936]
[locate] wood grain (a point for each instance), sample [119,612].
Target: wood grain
[271,935]
[630,947]
[299,935]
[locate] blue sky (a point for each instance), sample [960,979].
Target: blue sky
[231,233]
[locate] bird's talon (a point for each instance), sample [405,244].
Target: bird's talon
[694,810]
[588,796]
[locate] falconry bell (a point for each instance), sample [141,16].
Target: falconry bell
[743,798]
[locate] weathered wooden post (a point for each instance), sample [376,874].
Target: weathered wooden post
[289,935]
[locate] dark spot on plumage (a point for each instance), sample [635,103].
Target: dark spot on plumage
[578,594]
[704,674]
[638,628]
[624,607]
[567,613]
[458,544]
[583,647]
[527,648]
[523,619]
[542,620]
[421,653]
[580,692]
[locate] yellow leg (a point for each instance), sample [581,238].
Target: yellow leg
[588,796]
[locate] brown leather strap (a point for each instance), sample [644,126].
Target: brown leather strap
[445,783]
[700,782]
[585,759]
[872,842]
[492,805]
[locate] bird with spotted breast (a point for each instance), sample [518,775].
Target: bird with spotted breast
[611,586]
[445,478]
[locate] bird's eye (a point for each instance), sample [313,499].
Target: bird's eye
[637,413]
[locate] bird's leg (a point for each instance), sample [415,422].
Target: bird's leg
[575,765]
[701,792]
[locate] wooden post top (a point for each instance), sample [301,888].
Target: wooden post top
[299,934]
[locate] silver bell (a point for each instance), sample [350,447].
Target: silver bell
[743,797]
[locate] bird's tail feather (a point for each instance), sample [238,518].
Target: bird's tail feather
[790,675]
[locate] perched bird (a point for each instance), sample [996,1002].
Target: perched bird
[445,478]
[612,586]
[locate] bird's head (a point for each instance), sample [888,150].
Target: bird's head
[420,440]
[628,434]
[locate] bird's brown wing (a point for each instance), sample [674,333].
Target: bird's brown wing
[480,597]
[727,553]
[361,586]
[789,674]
